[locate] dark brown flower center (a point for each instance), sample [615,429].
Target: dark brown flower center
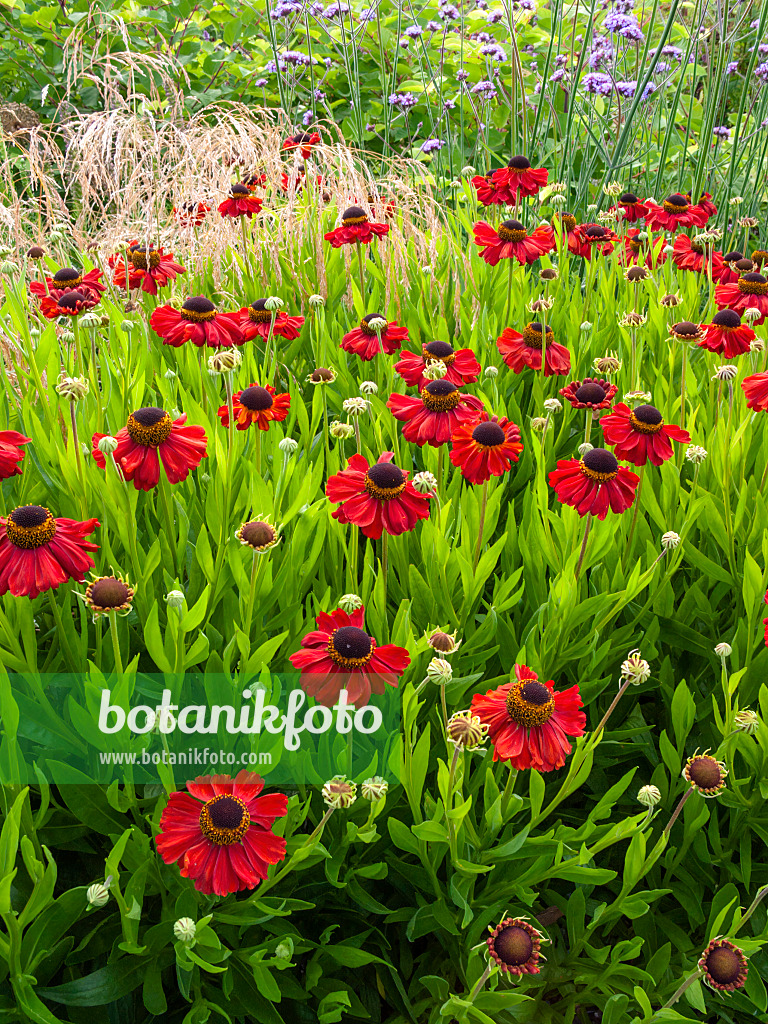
[637,274]
[705,772]
[441,642]
[365,324]
[322,373]
[697,248]
[744,265]
[519,163]
[513,945]
[71,300]
[759,256]
[350,647]
[753,284]
[512,231]
[239,191]
[137,254]
[532,335]
[30,526]
[530,704]
[354,215]
[675,203]
[646,419]
[565,220]
[384,481]
[628,199]
[440,395]
[489,435]
[35,252]
[68,277]
[109,592]
[686,329]
[732,257]
[596,232]
[224,820]
[198,309]
[590,394]
[257,534]
[724,965]
[150,426]
[256,399]
[599,465]
[439,350]
[727,318]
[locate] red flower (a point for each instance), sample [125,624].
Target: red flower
[258,180]
[68,280]
[654,255]
[11,453]
[432,416]
[521,350]
[299,181]
[38,552]
[528,722]
[364,341]
[304,140]
[241,202]
[519,179]
[751,290]
[190,214]
[376,498]
[149,438]
[690,255]
[355,227]
[675,212]
[221,832]
[511,241]
[594,484]
[590,393]
[488,193]
[729,272]
[485,447]
[704,204]
[633,208]
[640,434]
[151,274]
[256,405]
[564,230]
[462,367]
[254,321]
[756,390]
[726,335]
[197,321]
[594,238]
[340,655]
[67,304]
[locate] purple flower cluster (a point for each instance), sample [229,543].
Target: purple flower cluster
[334,10]
[732,67]
[434,26]
[484,89]
[403,100]
[494,17]
[432,145]
[448,12]
[294,57]
[601,52]
[597,83]
[413,31]
[493,50]
[285,8]
[672,51]
[721,132]
[761,71]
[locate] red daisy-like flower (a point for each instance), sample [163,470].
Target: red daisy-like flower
[724,965]
[304,141]
[590,393]
[488,194]
[68,279]
[241,202]
[751,290]
[355,227]
[485,447]
[594,484]
[461,365]
[528,723]
[594,238]
[149,438]
[564,230]
[376,498]
[197,321]
[675,212]
[257,180]
[704,204]
[67,304]
[756,390]
[519,179]
[39,552]
[640,434]
[511,242]
[299,181]
[364,341]
[650,251]
[256,405]
[515,947]
[190,214]
[729,270]
[150,271]
[220,832]
[432,416]
[726,335]
[11,452]
[634,209]
[340,655]
[255,322]
[524,350]
[690,255]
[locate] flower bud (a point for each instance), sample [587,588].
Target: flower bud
[445,643]
[284,948]
[378,324]
[466,730]
[72,388]
[374,789]
[225,360]
[632,319]
[607,364]
[107,445]
[670,301]
[288,446]
[68,337]
[170,374]
[174,598]
[751,314]
[97,895]
[552,405]
[649,796]
[736,200]
[696,454]
[316,300]
[368,387]
[725,373]
[126,326]
[273,303]
[184,929]
[723,650]
[350,603]
[354,406]
[439,671]
[668,250]
[613,188]
[467,172]
[435,369]
[635,669]
[425,482]
[584,447]
[539,424]
[746,721]
[670,540]
[339,792]
[637,396]
[341,431]
[491,372]
[586,326]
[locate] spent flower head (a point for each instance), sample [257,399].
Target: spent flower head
[670,540]
[635,669]
[466,730]
[339,792]
[72,388]
[374,789]
[696,454]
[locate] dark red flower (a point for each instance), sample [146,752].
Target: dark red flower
[256,405]
[376,498]
[511,242]
[149,438]
[150,272]
[675,212]
[254,321]
[528,722]
[484,447]
[704,204]
[432,416]
[515,946]
[67,304]
[461,366]
[640,434]
[564,230]
[726,335]
[594,483]
[689,255]
[594,238]
[258,180]
[756,390]
[488,194]
[633,208]
[304,141]
[241,202]
[68,279]
[11,453]
[590,393]
[729,272]
[364,341]
[724,965]
[751,290]
[524,350]
[197,321]
[340,655]
[652,250]
[355,227]
[38,552]
[220,832]
[190,214]
[519,179]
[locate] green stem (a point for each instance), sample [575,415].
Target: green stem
[169,526]
[481,526]
[583,546]
[635,511]
[115,643]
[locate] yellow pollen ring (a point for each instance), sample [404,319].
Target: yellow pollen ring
[139,259]
[526,713]
[259,316]
[150,437]
[752,287]
[191,314]
[645,428]
[224,836]
[599,478]
[533,338]
[672,208]
[437,359]
[382,493]
[348,221]
[29,537]
[348,662]
[512,235]
[440,403]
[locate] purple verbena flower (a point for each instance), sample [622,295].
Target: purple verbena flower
[485,89]
[721,131]
[597,83]
[294,57]
[672,51]
[732,67]
[462,75]
[413,31]
[494,17]
[434,26]
[431,145]
[493,50]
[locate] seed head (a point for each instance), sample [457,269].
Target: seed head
[632,319]
[607,364]
[339,792]
[466,731]
[670,540]
[543,303]
[635,669]
[670,301]
[649,796]
[445,643]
